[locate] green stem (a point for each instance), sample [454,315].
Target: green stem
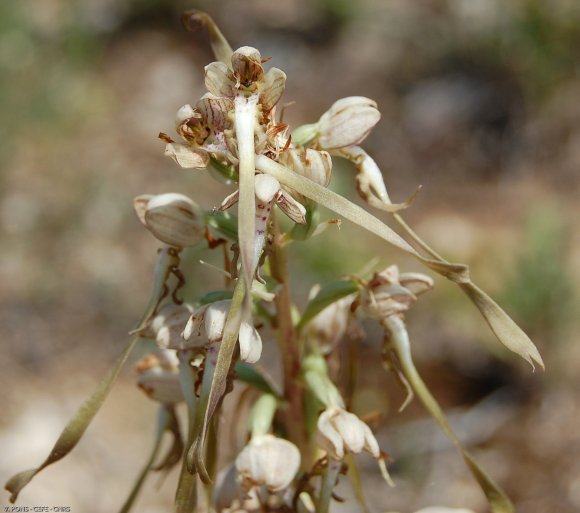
[328,484]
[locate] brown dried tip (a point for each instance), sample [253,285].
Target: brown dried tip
[193,19]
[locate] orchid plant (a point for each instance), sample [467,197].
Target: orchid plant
[300,439]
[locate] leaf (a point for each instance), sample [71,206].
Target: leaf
[167,259]
[253,376]
[186,493]
[354,213]
[76,427]
[222,50]
[327,295]
[507,331]
[162,424]
[498,500]
[502,325]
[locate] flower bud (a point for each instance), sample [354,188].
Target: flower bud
[168,325]
[172,218]
[158,377]
[247,65]
[389,292]
[312,164]
[340,432]
[347,122]
[268,461]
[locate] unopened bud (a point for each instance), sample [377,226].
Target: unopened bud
[247,65]
[158,377]
[347,122]
[312,164]
[268,461]
[172,218]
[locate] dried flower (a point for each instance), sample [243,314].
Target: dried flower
[158,376]
[390,292]
[172,218]
[268,461]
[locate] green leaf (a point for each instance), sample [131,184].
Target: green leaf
[253,376]
[186,493]
[77,426]
[163,422]
[502,325]
[399,340]
[507,331]
[328,294]
[222,50]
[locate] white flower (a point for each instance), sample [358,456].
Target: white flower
[331,324]
[172,218]
[347,122]
[206,326]
[268,461]
[340,432]
[168,325]
[158,376]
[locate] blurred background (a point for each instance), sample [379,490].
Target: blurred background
[480,103]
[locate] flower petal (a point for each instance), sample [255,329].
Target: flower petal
[187,156]
[250,343]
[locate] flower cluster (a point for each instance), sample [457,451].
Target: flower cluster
[298,438]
